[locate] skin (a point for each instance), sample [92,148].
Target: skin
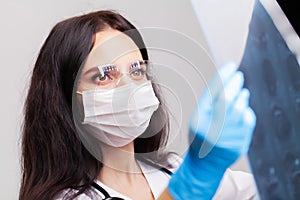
[111,47]
[114,47]
[165,195]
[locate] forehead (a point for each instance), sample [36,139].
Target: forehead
[112,46]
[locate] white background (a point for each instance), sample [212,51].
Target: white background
[24,27]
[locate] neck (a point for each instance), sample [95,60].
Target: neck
[120,159]
[122,173]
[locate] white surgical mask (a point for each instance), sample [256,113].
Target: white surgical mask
[118,116]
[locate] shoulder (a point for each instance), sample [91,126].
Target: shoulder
[237,185]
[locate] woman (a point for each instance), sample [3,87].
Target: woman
[79,141]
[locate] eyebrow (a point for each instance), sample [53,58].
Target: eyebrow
[96,68]
[93,69]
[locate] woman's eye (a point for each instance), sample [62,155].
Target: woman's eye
[100,78]
[137,72]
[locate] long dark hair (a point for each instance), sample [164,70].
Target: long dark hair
[53,156]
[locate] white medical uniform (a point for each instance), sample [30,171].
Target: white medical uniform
[234,185]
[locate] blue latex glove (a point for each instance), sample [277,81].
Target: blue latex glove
[221,128]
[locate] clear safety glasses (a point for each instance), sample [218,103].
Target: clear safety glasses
[109,75]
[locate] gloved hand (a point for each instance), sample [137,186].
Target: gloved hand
[221,128]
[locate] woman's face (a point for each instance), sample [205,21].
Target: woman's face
[115,60]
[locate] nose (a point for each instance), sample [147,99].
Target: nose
[123,80]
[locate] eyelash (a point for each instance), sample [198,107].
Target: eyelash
[98,76]
[143,71]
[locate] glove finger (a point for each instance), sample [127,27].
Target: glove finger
[233,88]
[237,108]
[242,101]
[250,118]
[226,71]
[218,111]
[250,122]
[219,80]
[237,137]
[239,123]
[222,103]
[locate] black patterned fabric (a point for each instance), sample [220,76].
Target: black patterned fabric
[272,74]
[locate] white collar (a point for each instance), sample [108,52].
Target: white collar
[157,180]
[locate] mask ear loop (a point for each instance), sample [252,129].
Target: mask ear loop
[77,92]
